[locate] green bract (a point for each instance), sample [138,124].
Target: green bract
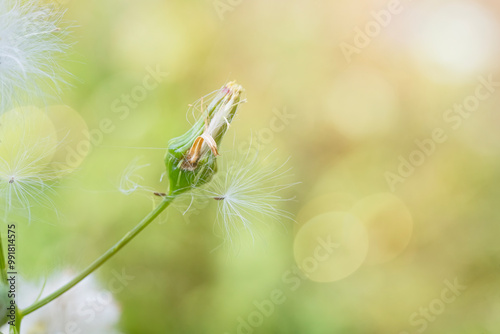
[191,158]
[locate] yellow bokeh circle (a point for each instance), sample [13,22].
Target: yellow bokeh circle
[389,225]
[331,246]
[73,139]
[28,141]
[42,144]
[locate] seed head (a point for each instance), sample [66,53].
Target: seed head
[31,43]
[191,158]
[28,143]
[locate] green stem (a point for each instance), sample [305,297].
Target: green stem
[19,318]
[106,256]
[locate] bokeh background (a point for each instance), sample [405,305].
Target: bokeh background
[347,90]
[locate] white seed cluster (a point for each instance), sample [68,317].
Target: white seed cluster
[32,43]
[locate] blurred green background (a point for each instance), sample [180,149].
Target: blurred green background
[359,82]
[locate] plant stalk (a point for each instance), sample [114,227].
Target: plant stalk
[103,258]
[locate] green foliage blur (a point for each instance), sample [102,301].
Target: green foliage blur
[351,109]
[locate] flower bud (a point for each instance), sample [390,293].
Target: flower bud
[191,158]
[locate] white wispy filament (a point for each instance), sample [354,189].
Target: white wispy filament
[249,192]
[28,143]
[31,45]
[130,180]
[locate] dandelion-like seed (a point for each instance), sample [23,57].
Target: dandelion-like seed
[31,44]
[23,184]
[249,192]
[28,143]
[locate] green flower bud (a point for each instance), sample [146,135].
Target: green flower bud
[191,158]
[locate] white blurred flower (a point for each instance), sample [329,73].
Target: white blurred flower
[31,43]
[87,308]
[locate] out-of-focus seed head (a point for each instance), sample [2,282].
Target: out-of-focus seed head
[32,43]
